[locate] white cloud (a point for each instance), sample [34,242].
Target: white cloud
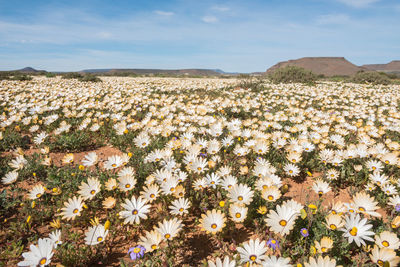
[333,19]
[221,8]
[209,19]
[164,13]
[358,3]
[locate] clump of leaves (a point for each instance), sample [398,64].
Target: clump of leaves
[293,74]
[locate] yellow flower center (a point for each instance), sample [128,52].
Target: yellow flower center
[75,211]
[167,236]
[385,243]
[333,212]
[181,209]
[353,231]
[238,215]
[172,189]
[213,226]
[374,168]
[42,261]
[99,239]
[333,227]
[290,171]
[136,250]
[253,257]
[38,195]
[92,192]
[198,168]
[134,212]
[270,197]
[283,223]
[152,195]
[386,161]
[265,186]
[324,249]
[144,144]
[114,165]
[153,246]
[361,209]
[212,182]
[380,262]
[240,198]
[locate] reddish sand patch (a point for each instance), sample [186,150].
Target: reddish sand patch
[303,192]
[103,153]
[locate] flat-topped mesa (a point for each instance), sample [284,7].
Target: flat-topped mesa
[328,66]
[393,66]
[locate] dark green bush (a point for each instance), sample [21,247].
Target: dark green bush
[50,75]
[370,77]
[5,75]
[89,78]
[72,75]
[74,142]
[293,74]
[21,77]
[12,140]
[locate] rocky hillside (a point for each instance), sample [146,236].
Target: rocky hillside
[328,66]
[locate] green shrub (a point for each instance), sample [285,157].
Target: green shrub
[12,140]
[74,142]
[72,75]
[90,78]
[50,75]
[370,77]
[293,74]
[21,77]
[5,75]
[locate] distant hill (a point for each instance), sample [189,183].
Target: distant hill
[29,70]
[328,66]
[200,72]
[391,67]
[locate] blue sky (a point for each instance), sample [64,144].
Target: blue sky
[243,36]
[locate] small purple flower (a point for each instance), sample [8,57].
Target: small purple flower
[203,155]
[397,207]
[304,232]
[136,252]
[273,243]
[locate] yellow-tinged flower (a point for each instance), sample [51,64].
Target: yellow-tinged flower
[56,191]
[367,248]
[309,174]
[33,204]
[55,223]
[28,219]
[285,188]
[313,208]
[303,214]
[313,250]
[107,225]
[81,167]
[262,210]
[95,221]
[34,174]
[130,154]
[221,203]
[84,206]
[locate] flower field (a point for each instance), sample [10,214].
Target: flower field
[198,172]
